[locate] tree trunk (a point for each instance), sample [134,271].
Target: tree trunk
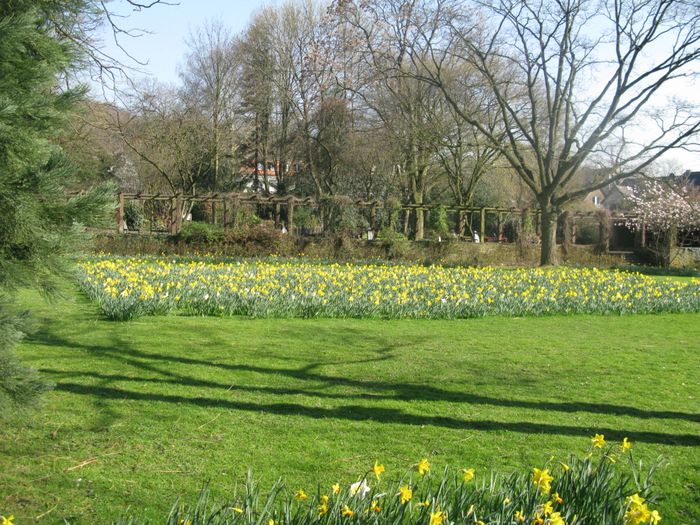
[548,227]
[420,224]
[568,225]
[461,223]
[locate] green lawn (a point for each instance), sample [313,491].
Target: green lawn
[148,410]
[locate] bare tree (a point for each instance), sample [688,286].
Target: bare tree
[465,156]
[171,139]
[575,82]
[210,77]
[380,37]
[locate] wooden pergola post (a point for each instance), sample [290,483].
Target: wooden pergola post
[278,215]
[120,213]
[482,224]
[234,211]
[171,225]
[175,214]
[290,215]
[500,226]
[178,211]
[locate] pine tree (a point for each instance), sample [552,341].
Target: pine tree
[40,224]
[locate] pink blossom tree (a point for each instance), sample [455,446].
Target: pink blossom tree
[670,211]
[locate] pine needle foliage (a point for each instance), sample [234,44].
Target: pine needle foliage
[39,223]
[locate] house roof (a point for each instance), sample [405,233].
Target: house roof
[245,170]
[693,178]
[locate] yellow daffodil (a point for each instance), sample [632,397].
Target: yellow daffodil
[565,466]
[626,444]
[347,512]
[374,507]
[635,499]
[237,510]
[519,516]
[655,517]
[406,493]
[423,467]
[556,498]
[378,470]
[336,488]
[547,508]
[598,440]
[537,519]
[425,503]
[556,519]
[436,518]
[637,511]
[11,519]
[323,506]
[301,495]
[270,522]
[542,480]
[467,474]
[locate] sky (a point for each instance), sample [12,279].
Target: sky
[169,26]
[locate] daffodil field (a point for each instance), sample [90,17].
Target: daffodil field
[126,288]
[607,487]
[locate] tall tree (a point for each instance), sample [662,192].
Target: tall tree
[380,38]
[257,70]
[170,137]
[575,82]
[40,223]
[210,77]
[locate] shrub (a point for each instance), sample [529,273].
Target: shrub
[587,233]
[305,219]
[134,215]
[199,233]
[341,216]
[395,244]
[605,488]
[438,221]
[260,239]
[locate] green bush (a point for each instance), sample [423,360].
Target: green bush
[199,233]
[587,233]
[438,221]
[341,217]
[134,215]
[261,239]
[395,244]
[305,218]
[606,488]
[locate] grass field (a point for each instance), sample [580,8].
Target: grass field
[149,410]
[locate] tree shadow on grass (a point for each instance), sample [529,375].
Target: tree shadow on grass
[313,380]
[376,415]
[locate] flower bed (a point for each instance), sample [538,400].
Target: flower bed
[129,287]
[607,487]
